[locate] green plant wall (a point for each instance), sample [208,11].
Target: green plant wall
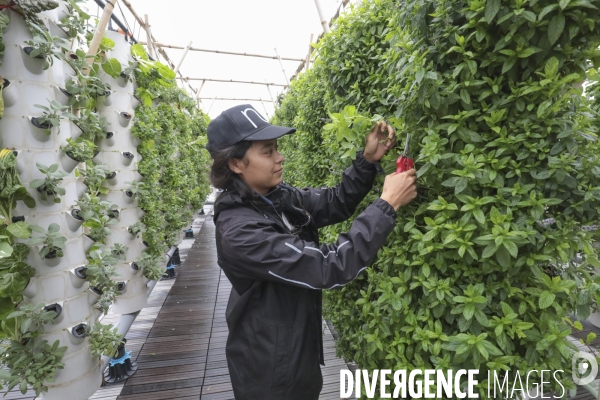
[479,272]
[174,162]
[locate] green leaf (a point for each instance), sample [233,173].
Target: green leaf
[5,250]
[112,67]
[546,299]
[556,27]
[491,9]
[20,229]
[137,50]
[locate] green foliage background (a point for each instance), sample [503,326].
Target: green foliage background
[174,162]
[503,138]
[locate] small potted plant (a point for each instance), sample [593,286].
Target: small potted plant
[153,268]
[93,177]
[46,47]
[30,362]
[136,229]
[53,242]
[98,225]
[118,250]
[77,151]
[51,116]
[48,188]
[92,126]
[104,340]
[137,189]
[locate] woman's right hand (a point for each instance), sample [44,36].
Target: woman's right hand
[400,189]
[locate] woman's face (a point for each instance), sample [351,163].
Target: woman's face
[262,167]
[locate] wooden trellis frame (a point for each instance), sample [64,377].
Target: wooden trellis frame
[152,43]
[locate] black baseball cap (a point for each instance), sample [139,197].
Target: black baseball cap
[239,123]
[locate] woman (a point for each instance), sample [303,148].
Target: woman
[268,246]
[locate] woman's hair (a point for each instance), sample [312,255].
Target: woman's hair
[222,177]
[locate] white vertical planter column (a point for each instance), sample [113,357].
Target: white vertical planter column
[54,280]
[119,152]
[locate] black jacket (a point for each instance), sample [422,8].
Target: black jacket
[274,313]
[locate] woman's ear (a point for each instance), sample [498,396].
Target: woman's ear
[235,165]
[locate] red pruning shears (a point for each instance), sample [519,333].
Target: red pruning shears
[405,162]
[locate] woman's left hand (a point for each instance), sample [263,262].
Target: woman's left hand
[379,141]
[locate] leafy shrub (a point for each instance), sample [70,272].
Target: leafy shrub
[502,139]
[174,162]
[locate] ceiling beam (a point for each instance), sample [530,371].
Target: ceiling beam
[187,78]
[169,46]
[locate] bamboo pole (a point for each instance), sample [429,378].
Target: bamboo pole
[198,93]
[99,33]
[323,20]
[282,69]
[148,36]
[301,66]
[183,56]
[265,107]
[310,49]
[270,94]
[230,81]
[229,98]
[169,46]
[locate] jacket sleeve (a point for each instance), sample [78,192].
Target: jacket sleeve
[256,250]
[329,206]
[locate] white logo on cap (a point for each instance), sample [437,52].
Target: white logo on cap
[245,113]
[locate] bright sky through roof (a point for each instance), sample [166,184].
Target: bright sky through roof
[257,26]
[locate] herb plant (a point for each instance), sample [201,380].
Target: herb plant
[104,340]
[93,177]
[53,241]
[80,149]
[49,186]
[153,267]
[52,115]
[47,47]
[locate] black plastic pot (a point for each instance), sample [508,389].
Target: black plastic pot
[5,84]
[16,153]
[28,51]
[134,266]
[125,115]
[81,272]
[52,253]
[79,331]
[41,189]
[111,175]
[109,134]
[129,193]
[113,214]
[64,91]
[73,56]
[35,122]
[124,75]
[19,218]
[75,213]
[145,243]
[96,290]
[128,155]
[120,286]
[96,153]
[57,308]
